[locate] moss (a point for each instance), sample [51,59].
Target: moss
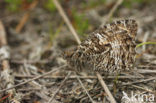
[49,5]
[13,5]
[80,23]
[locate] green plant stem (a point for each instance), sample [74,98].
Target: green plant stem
[141,44]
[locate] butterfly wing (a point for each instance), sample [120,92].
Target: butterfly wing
[111,48]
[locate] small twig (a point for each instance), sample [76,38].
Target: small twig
[146,66]
[29,61]
[62,13]
[114,8]
[35,78]
[25,17]
[143,88]
[147,71]
[5,97]
[29,89]
[85,89]
[81,77]
[3,40]
[112,100]
[140,81]
[62,83]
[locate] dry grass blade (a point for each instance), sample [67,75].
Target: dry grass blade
[62,83]
[109,16]
[140,81]
[62,13]
[81,77]
[85,89]
[139,87]
[112,100]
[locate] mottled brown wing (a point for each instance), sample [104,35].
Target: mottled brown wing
[109,49]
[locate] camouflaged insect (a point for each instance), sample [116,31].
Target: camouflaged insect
[109,50]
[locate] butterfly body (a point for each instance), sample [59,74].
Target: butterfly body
[109,50]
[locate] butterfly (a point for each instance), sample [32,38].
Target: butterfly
[110,49]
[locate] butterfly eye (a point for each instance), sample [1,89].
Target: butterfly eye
[126,21]
[105,27]
[133,21]
[112,24]
[118,22]
[79,54]
[107,44]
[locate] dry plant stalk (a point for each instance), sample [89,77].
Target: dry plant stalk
[8,80]
[110,14]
